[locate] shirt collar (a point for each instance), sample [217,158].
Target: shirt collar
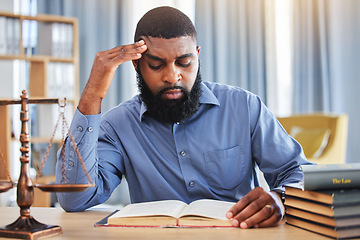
[207,97]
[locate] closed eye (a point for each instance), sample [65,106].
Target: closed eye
[157,67]
[183,64]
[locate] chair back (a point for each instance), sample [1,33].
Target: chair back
[322,136]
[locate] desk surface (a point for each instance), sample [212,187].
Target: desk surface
[81,226]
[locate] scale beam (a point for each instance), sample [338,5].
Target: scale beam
[31,101]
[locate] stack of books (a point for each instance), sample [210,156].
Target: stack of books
[329,203]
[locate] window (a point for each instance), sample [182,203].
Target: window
[279,52]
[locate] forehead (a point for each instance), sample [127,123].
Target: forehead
[170,48]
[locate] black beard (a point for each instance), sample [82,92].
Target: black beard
[174,110]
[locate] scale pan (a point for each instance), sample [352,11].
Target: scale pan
[63,187]
[6,186]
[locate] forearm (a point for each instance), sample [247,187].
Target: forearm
[102,73]
[89,104]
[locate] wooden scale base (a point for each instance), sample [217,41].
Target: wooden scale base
[26,227]
[29,228]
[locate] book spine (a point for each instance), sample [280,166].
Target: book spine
[331,180]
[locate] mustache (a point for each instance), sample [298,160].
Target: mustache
[172,88]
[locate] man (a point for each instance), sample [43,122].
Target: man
[180,138]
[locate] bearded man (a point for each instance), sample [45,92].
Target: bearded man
[181,138]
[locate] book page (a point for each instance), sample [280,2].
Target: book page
[157,208]
[208,208]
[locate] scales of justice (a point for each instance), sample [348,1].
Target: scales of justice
[26,227]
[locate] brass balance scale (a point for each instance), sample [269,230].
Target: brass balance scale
[26,227]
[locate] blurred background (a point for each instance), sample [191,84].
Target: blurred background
[299,56]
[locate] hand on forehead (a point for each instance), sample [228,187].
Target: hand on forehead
[173,47]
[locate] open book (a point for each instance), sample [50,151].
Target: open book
[200,213]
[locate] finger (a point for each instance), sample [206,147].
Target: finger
[124,54]
[275,218]
[135,45]
[251,203]
[241,205]
[121,58]
[252,209]
[139,46]
[128,53]
[264,217]
[139,43]
[132,49]
[115,49]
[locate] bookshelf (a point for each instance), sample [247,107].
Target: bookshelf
[40,54]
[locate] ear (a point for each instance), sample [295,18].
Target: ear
[135,63]
[198,50]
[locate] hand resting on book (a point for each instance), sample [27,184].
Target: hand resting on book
[258,208]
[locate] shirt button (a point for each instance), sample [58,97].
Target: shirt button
[71,164]
[80,129]
[90,129]
[192,183]
[182,153]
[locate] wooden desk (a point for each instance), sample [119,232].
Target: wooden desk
[81,226]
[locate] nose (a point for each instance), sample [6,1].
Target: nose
[172,74]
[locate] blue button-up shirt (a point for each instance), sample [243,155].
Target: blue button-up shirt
[210,155]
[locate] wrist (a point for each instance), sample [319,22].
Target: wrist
[89,105]
[280,195]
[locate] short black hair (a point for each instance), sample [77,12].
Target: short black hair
[165,22]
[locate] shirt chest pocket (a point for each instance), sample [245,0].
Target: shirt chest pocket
[225,168]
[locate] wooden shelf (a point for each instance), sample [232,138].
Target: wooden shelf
[41,17]
[37,58]
[39,68]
